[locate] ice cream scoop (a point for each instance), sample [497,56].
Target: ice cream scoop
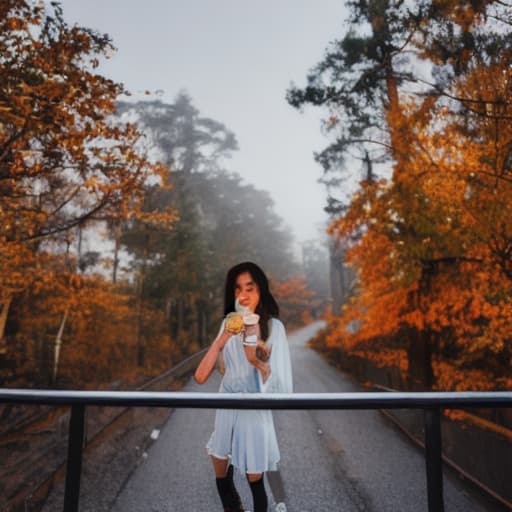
[234,323]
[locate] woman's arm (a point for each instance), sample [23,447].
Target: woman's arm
[207,364]
[252,357]
[263,351]
[252,340]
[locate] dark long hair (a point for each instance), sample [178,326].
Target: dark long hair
[267,306]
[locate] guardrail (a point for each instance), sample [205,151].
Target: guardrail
[43,450]
[431,403]
[468,472]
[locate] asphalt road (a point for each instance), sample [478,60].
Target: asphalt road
[331,460]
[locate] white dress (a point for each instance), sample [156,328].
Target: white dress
[248,437]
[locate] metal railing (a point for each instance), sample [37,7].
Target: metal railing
[431,403]
[39,462]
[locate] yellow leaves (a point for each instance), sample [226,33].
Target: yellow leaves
[14,23]
[64,163]
[432,245]
[448,376]
[294,298]
[75,281]
[155,218]
[57,112]
[385,358]
[91,182]
[415,319]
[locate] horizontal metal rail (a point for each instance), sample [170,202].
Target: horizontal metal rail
[171,379]
[362,400]
[431,403]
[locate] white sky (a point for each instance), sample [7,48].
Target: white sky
[236,59]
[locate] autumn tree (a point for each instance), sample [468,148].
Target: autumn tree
[64,161]
[396,94]
[296,301]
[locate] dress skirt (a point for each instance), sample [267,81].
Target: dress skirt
[247,437]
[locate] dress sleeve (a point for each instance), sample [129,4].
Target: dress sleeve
[280,379]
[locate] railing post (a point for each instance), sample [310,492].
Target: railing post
[433,459]
[74,462]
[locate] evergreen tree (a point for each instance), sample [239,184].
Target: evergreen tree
[221,220]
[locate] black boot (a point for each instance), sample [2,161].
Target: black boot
[228,493]
[236,501]
[259,495]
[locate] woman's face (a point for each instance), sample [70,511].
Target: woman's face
[247,291]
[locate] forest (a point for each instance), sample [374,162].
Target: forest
[418,98]
[119,216]
[119,219]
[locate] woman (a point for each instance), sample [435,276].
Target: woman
[246,439]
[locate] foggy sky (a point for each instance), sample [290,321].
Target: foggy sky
[236,59]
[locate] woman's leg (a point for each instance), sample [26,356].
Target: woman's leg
[259,495]
[225,485]
[220,466]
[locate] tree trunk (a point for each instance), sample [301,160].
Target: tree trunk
[423,343]
[421,375]
[6,304]
[179,316]
[139,325]
[58,344]
[173,324]
[336,277]
[117,244]
[141,335]
[181,327]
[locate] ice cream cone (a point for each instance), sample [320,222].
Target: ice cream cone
[234,323]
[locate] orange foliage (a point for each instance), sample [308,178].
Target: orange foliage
[434,251]
[449,376]
[385,358]
[295,300]
[100,342]
[65,163]
[63,160]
